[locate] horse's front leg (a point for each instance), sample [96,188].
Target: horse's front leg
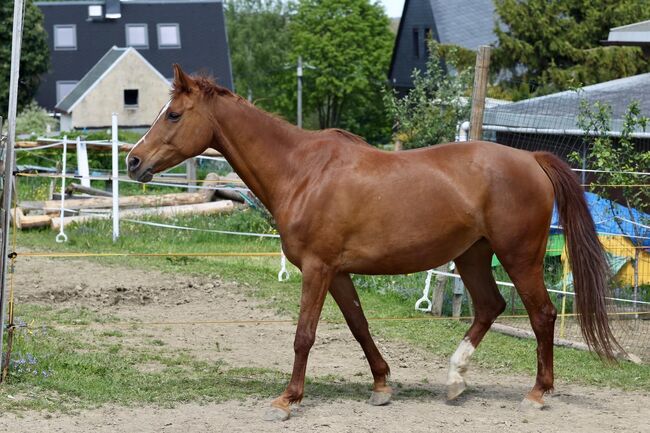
[345,295]
[316,279]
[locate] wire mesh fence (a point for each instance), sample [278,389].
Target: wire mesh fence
[555,123]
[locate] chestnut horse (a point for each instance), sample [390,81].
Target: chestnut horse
[342,206]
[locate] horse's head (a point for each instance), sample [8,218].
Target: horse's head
[180,131]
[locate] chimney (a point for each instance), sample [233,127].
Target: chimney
[113,9]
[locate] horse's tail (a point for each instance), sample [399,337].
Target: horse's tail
[586,256]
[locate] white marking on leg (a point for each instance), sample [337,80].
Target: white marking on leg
[459,362]
[144,137]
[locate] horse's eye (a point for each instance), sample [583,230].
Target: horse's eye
[173,116]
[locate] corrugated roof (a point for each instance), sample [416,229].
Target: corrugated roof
[94,74]
[561,110]
[468,23]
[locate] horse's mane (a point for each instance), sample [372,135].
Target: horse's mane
[209,88]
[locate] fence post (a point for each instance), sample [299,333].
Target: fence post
[190,169]
[16,39]
[61,237]
[115,179]
[479,91]
[82,162]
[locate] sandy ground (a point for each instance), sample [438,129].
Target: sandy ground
[490,405]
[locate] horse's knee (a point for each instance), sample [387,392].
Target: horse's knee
[545,316]
[303,341]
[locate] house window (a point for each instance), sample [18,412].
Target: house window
[169,36]
[131,98]
[95,12]
[63,88]
[136,36]
[416,43]
[65,37]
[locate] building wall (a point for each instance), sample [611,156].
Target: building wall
[95,109]
[417,15]
[204,45]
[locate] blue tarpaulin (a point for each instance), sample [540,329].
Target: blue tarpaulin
[614,219]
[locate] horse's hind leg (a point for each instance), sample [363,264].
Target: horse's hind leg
[345,295]
[529,281]
[474,267]
[523,260]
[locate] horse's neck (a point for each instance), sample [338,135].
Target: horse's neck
[260,148]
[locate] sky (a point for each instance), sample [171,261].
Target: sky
[393,7]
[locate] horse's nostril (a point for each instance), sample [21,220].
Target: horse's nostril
[134,163]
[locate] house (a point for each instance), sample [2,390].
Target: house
[189,32]
[466,23]
[635,35]
[121,82]
[551,122]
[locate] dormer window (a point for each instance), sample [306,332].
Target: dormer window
[169,36]
[65,37]
[95,12]
[137,36]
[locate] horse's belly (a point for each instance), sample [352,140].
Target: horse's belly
[406,251]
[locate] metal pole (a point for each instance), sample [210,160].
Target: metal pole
[479,92]
[115,179]
[9,155]
[299,108]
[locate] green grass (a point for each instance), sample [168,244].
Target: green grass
[98,368]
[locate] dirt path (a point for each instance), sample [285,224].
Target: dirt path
[492,403]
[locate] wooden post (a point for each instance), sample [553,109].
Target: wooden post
[191,174]
[14,75]
[437,296]
[478,93]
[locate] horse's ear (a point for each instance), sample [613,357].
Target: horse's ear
[182,81]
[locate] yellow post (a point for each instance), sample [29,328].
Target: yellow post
[565,273]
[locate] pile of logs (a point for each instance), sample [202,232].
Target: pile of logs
[97,204]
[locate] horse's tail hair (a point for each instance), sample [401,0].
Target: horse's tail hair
[588,262]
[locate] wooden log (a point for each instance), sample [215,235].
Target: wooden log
[32,221]
[524,333]
[211,180]
[125,202]
[165,211]
[88,190]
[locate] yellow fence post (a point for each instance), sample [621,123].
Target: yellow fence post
[565,273]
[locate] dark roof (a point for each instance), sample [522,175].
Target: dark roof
[560,111]
[468,23]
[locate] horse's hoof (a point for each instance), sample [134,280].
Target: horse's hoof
[528,403]
[276,414]
[378,398]
[455,389]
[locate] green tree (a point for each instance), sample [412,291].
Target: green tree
[431,112]
[616,161]
[35,54]
[349,44]
[259,50]
[554,45]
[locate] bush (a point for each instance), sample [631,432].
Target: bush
[34,120]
